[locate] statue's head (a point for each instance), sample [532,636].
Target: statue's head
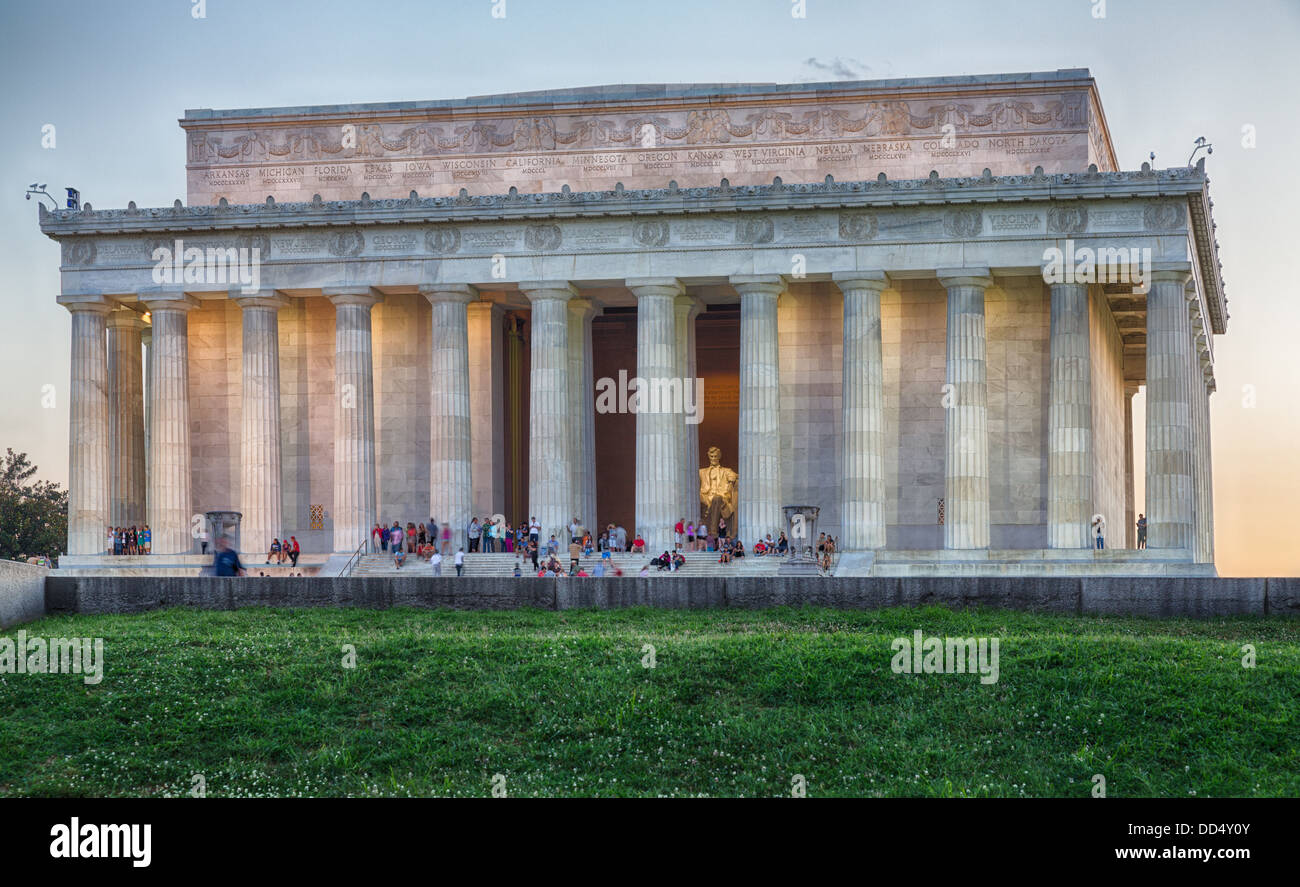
[715,456]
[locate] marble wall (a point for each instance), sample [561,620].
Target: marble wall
[1108,406]
[811,341]
[402,335]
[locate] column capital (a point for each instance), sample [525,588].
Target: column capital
[535,290]
[273,299]
[1171,272]
[692,305]
[365,296]
[125,318]
[583,307]
[870,279]
[448,292]
[974,276]
[92,302]
[1130,388]
[168,300]
[654,286]
[757,283]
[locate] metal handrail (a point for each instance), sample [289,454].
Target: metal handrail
[352,561]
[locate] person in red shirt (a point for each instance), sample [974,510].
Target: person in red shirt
[293,550]
[679,530]
[638,545]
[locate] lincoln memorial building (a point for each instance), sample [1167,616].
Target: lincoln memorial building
[923,306]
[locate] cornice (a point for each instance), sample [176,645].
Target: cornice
[828,194]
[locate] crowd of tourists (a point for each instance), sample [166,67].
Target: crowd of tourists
[128,540]
[431,542]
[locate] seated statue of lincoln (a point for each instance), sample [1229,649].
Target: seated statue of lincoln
[717,491]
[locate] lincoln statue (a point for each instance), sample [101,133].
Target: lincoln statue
[717,491]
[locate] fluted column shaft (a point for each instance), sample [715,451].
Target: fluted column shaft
[582,400]
[550,469]
[759,459]
[966,476]
[451,481]
[355,509]
[660,428]
[1069,421]
[126,418]
[146,337]
[686,309]
[260,486]
[1130,495]
[170,493]
[88,440]
[862,418]
[1168,437]
[1208,456]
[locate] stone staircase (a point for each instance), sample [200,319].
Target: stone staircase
[698,563]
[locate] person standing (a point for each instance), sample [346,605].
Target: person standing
[534,529]
[294,551]
[1142,531]
[203,538]
[679,534]
[225,560]
[460,560]
[376,540]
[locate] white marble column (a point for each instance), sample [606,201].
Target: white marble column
[170,496]
[759,460]
[487,399]
[146,338]
[1208,456]
[451,468]
[1069,421]
[582,404]
[966,475]
[1130,495]
[88,443]
[862,412]
[550,472]
[126,418]
[261,469]
[686,309]
[355,509]
[1200,361]
[1168,436]
[660,428]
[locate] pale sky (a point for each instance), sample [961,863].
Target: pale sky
[114,76]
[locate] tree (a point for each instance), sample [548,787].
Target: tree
[33,514]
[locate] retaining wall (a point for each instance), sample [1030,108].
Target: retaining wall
[1164,597]
[22,592]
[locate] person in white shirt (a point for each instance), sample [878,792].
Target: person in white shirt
[436,563]
[460,561]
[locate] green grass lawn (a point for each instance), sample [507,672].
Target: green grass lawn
[258,702]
